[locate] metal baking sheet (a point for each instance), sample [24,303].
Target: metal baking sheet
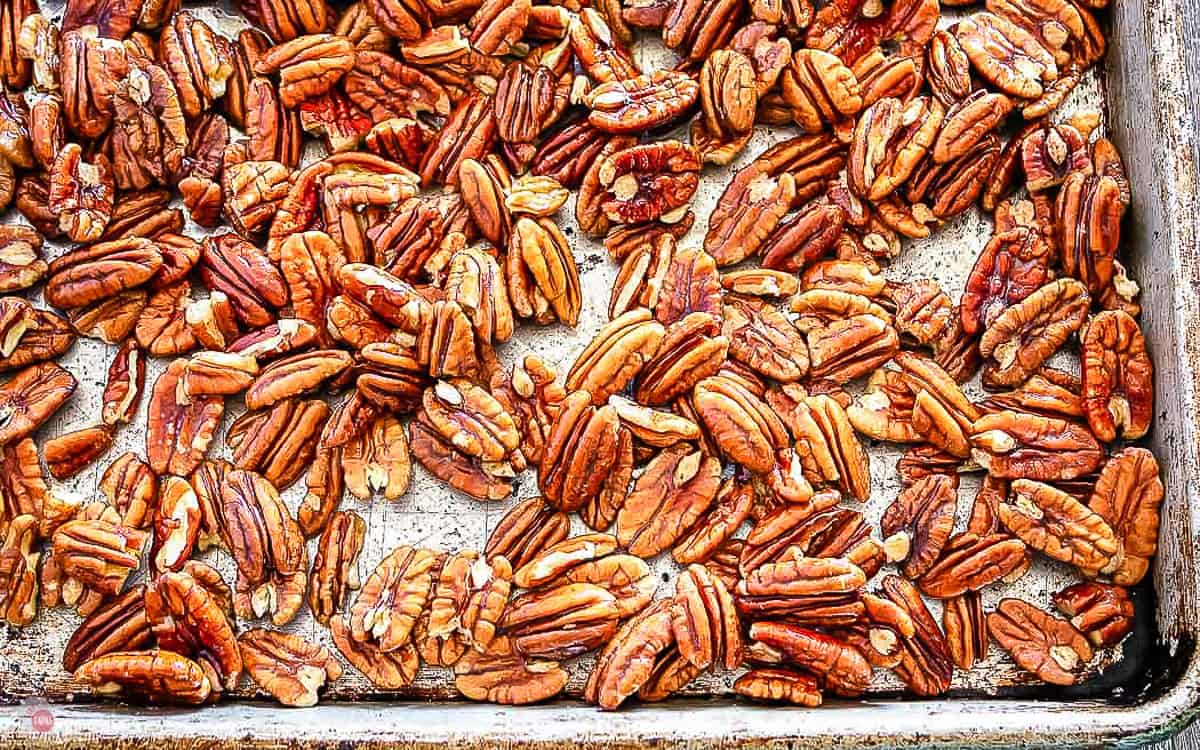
[1152,684]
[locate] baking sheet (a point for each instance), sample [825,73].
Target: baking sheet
[433,515]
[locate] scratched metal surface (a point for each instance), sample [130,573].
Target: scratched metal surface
[1141,89]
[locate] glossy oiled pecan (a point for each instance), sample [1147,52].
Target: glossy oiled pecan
[157,676]
[1039,642]
[637,104]
[646,182]
[1058,525]
[267,545]
[1118,377]
[745,429]
[287,666]
[677,487]
[763,339]
[1022,337]
[1102,612]
[747,212]
[1127,496]
[837,665]
[925,662]
[628,660]
[1012,445]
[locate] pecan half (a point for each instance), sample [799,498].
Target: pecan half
[267,545]
[924,513]
[1012,445]
[628,660]
[189,620]
[1118,377]
[639,103]
[837,665]
[561,621]
[288,667]
[1101,612]
[1127,496]
[743,427]
[705,623]
[1039,642]
[677,487]
[392,598]
[157,676]
[1055,523]
[179,427]
[501,674]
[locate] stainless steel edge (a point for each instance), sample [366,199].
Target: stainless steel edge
[1151,104]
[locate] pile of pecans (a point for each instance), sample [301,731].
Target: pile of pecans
[721,396]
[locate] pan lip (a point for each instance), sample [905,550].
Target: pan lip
[682,723]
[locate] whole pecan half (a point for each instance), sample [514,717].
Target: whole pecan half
[287,666]
[1058,525]
[1012,445]
[1117,377]
[1127,495]
[392,598]
[1039,642]
[676,488]
[156,676]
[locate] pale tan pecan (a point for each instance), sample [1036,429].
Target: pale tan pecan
[287,666]
[1102,612]
[21,264]
[1127,495]
[157,676]
[1039,642]
[677,487]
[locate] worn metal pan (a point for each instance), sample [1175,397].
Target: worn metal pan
[1149,690]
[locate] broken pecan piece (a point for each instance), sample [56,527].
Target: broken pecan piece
[1102,612]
